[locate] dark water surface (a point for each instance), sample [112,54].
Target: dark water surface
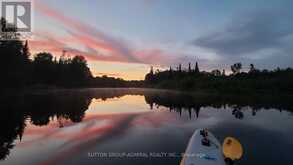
[139,126]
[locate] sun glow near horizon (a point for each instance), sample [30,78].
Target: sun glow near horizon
[126,71]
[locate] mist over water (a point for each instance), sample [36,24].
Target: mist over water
[138,126]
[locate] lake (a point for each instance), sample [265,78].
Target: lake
[139,126]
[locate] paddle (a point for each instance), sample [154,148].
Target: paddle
[232,149]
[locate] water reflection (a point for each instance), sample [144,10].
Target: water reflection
[39,110]
[179,102]
[65,108]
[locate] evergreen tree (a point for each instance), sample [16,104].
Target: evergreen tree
[152,71]
[25,50]
[196,69]
[13,64]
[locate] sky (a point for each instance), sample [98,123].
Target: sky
[123,38]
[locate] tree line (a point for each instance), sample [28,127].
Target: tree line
[18,69]
[254,80]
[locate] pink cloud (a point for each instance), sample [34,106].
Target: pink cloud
[94,41]
[88,34]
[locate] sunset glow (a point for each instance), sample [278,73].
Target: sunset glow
[125,43]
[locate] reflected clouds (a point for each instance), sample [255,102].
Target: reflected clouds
[79,120]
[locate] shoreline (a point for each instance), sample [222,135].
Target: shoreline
[54,90]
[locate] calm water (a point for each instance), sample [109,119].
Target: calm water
[135,126]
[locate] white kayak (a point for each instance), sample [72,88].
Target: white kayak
[203,152]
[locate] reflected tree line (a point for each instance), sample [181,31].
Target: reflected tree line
[192,104]
[65,107]
[40,109]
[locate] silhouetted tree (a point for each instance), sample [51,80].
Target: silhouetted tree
[252,69]
[235,68]
[43,68]
[170,72]
[79,70]
[279,80]
[223,72]
[196,69]
[14,61]
[25,50]
[150,76]
[216,72]
[18,70]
